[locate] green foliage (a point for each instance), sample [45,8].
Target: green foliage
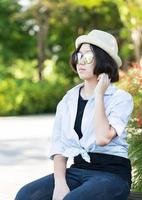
[131,13]
[15,39]
[89,3]
[74,20]
[21,92]
[135,152]
[24,69]
[132,82]
[20,97]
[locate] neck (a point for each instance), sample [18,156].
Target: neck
[89,87]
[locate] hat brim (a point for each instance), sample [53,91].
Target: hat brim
[86,39]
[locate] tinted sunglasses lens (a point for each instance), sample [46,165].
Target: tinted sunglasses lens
[88,58]
[78,57]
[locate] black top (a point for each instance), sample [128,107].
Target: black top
[99,161]
[81,105]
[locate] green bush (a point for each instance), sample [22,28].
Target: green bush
[135,153]
[20,97]
[132,82]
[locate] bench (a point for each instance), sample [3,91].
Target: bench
[135,196]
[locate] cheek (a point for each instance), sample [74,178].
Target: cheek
[91,69]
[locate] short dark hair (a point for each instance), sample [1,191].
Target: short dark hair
[104,63]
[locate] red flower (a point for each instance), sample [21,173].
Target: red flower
[139,119]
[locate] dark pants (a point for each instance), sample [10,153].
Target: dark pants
[84,185]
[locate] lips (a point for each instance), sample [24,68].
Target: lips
[81,69]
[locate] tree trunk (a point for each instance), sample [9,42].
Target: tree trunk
[137,41]
[42,22]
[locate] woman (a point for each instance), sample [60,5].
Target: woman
[89,127]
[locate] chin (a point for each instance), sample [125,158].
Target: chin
[82,77]
[85,77]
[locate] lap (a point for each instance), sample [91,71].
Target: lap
[37,189]
[100,185]
[84,184]
[43,188]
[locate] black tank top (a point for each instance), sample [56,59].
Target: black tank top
[80,110]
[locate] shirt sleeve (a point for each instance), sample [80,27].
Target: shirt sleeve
[56,144]
[121,112]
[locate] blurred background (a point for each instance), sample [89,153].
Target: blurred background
[36,41]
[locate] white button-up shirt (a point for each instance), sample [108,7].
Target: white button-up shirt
[65,141]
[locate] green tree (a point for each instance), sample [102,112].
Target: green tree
[131,16]
[75,20]
[48,29]
[40,13]
[130,12]
[14,38]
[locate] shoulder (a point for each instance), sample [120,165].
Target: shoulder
[117,94]
[74,89]
[122,95]
[122,99]
[71,92]
[68,95]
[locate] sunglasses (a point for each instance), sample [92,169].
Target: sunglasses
[86,58]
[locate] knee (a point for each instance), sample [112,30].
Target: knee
[23,194]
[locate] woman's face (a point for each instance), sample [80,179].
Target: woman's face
[86,62]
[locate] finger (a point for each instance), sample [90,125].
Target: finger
[107,77]
[109,80]
[98,77]
[106,80]
[102,75]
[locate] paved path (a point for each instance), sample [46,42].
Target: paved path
[24,143]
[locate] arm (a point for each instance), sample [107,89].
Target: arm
[60,185]
[107,127]
[104,132]
[56,146]
[60,163]
[61,188]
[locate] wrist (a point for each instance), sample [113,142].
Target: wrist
[60,180]
[99,95]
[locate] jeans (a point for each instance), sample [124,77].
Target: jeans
[84,185]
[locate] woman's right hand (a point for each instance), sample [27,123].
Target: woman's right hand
[60,191]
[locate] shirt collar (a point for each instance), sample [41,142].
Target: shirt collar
[110,90]
[75,90]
